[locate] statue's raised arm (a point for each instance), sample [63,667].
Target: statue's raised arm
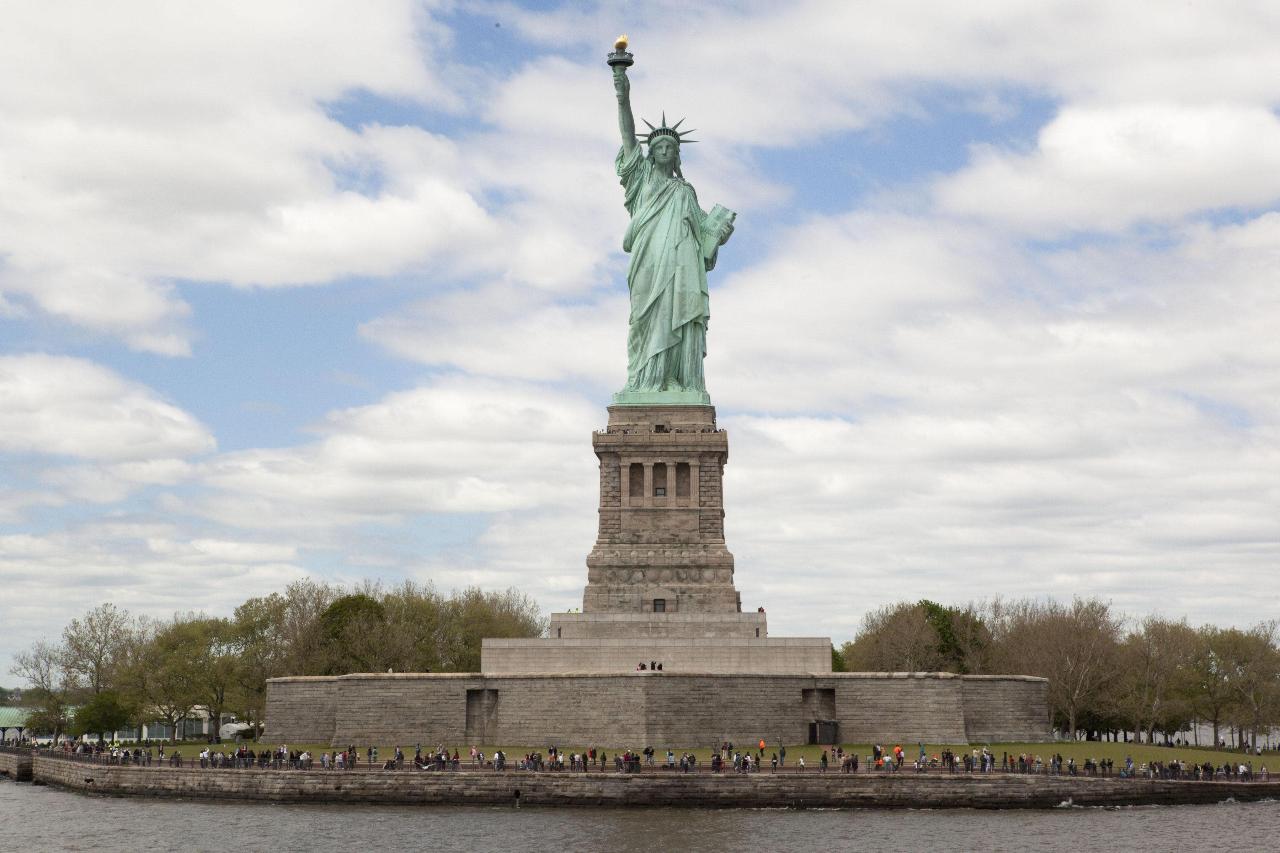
[622,86]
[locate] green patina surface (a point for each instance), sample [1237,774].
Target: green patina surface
[673,244]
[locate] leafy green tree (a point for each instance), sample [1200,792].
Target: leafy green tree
[1213,694]
[417,621]
[894,638]
[474,614]
[1155,681]
[166,673]
[263,650]
[217,664]
[102,713]
[1254,665]
[923,636]
[353,631]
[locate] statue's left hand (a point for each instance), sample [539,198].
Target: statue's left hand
[725,231]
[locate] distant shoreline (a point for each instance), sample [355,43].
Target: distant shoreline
[653,788]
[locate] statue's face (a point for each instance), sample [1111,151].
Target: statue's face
[665,153]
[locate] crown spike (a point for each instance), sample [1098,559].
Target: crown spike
[676,126]
[664,118]
[646,121]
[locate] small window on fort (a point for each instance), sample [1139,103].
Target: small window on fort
[659,479]
[635,475]
[682,479]
[659,605]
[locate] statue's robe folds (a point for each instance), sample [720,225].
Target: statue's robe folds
[667,332]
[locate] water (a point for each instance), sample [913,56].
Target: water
[34,819]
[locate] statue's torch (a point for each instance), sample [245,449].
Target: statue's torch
[620,57]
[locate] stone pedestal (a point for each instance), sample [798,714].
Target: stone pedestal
[660,580]
[660,546]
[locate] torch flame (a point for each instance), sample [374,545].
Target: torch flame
[621,44]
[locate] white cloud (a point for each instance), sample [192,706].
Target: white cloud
[72,407]
[201,150]
[457,446]
[149,568]
[1104,168]
[511,332]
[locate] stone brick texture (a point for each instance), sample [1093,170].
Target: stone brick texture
[654,788]
[670,546]
[15,767]
[789,655]
[657,709]
[580,626]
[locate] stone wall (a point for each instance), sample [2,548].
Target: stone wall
[304,707]
[1001,708]
[661,532]
[16,766]
[579,626]
[781,656]
[658,709]
[659,788]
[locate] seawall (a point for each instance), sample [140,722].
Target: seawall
[654,789]
[16,765]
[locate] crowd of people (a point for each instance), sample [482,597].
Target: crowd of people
[726,758]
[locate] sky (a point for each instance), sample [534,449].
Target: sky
[336,290]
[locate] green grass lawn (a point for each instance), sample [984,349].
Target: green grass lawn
[1079,750]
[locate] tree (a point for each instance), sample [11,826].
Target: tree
[262,651]
[474,614]
[1155,683]
[1076,647]
[352,633]
[95,643]
[1211,672]
[920,637]
[44,666]
[103,712]
[417,620]
[894,638]
[1253,662]
[962,636]
[166,673]
[296,614]
[217,663]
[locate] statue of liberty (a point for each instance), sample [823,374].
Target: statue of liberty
[673,244]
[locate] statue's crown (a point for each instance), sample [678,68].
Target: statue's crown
[674,132]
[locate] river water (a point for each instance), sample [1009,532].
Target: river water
[34,819]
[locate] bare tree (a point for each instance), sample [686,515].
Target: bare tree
[95,643]
[44,667]
[1075,646]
